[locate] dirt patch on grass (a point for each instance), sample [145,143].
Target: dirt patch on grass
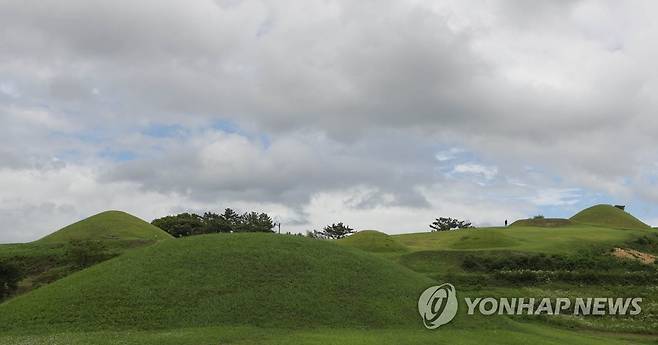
[634,255]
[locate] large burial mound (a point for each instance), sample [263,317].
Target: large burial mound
[109,225]
[257,279]
[543,222]
[608,216]
[373,241]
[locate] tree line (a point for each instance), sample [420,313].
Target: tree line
[188,224]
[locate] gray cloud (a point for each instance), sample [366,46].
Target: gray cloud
[217,165]
[347,95]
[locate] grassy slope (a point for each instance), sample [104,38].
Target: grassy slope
[608,216]
[109,225]
[44,261]
[543,222]
[567,239]
[258,279]
[373,241]
[422,248]
[514,334]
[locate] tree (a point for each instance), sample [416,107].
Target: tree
[184,224]
[447,223]
[255,222]
[333,231]
[214,223]
[9,278]
[231,217]
[188,224]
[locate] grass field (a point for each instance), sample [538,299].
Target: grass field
[281,289]
[513,333]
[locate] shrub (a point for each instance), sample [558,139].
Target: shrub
[83,254]
[542,262]
[9,278]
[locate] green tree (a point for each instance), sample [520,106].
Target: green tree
[188,224]
[447,223]
[333,231]
[180,225]
[256,222]
[213,223]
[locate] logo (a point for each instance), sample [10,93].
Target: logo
[438,305]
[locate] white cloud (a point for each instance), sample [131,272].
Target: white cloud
[344,100]
[488,172]
[556,197]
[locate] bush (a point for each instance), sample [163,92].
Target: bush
[542,262]
[83,254]
[527,277]
[9,278]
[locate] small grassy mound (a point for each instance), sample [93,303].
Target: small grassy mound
[265,280]
[373,241]
[109,225]
[608,216]
[543,222]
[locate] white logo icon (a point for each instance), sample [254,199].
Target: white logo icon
[438,305]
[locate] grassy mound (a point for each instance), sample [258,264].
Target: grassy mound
[257,279]
[373,241]
[543,222]
[608,216]
[109,225]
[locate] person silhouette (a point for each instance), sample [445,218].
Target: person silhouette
[505,222]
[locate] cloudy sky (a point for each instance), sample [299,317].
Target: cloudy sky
[381,114]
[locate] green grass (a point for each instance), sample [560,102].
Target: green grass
[278,289]
[559,240]
[543,222]
[109,225]
[45,261]
[373,241]
[512,334]
[257,279]
[608,216]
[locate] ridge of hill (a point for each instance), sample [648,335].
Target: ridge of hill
[250,278]
[608,216]
[108,225]
[373,241]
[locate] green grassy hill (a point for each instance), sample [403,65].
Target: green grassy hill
[109,225]
[48,259]
[608,216]
[248,279]
[543,222]
[278,289]
[558,240]
[373,241]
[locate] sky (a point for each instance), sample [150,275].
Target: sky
[379,114]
